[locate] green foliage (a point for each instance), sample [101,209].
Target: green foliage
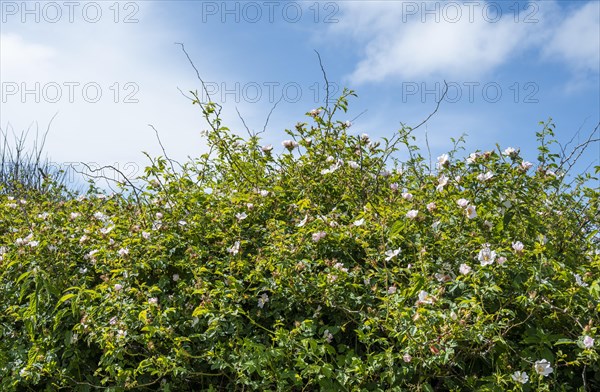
[323,268]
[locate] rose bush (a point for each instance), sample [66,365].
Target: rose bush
[332,266]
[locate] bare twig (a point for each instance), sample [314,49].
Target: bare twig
[326,82]
[163,149]
[269,115]
[243,122]
[428,149]
[437,106]
[360,114]
[195,69]
[134,188]
[579,149]
[576,134]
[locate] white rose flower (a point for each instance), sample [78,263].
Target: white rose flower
[442,181]
[543,367]
[518,246]
[412,214]
[235,248]
[391,254]
[100,216]
[424,298]
[520,377]
[579,281]
[526,165]
[315,112]
[486,256]
[472,158]
[510,152]
[106,230]
[289,144]
[442,160]
[262,300]
[471,212]
[483,177]
[303,221]
[462,203]
[318,236]
[464,269]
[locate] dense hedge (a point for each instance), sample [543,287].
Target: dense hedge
[330,266]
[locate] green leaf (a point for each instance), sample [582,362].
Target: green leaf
[142,316]
[23,276]
[64,298]
[397,227]
[200,311]
[564,341]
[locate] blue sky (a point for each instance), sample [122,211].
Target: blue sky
[542,57]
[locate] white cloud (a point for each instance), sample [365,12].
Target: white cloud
[19,55]
[402,40]
[110,131]
[446,40]
[576,40]
[437,50]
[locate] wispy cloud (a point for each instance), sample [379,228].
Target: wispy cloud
[404,41]
[576,40]
[131,71]
[409,40]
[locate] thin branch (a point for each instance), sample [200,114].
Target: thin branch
[182,93]
[243,122]
[125,178]
[195,69]
[269,115]
[163,149]
[428,149]
[563,149]
[437,106]
[326,82]
[581,148]
[360,114]
[41,148]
